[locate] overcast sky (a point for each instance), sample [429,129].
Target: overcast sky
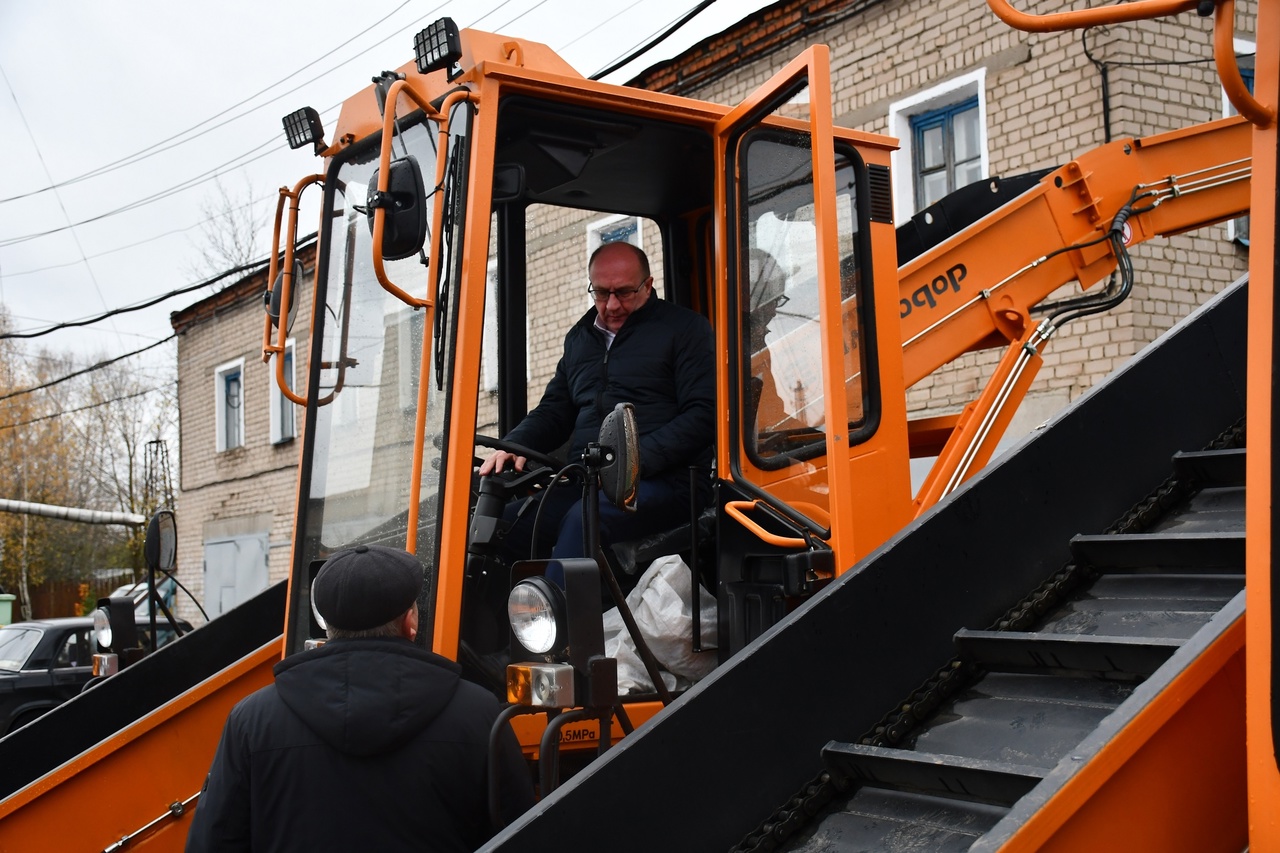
[105,106]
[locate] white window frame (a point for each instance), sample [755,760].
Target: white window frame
[220,374]
[279,401]
[598,227]
[1241,47]
[900,112]
[489,346]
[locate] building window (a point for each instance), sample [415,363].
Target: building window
[613,229]
[1238,229]
[284,425]
[945,150]
[489,348]
[228,390]
[943,138]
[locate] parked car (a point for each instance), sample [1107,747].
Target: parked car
[138,592]
[45,662]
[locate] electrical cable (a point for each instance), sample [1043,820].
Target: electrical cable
[253,266]
[578,468]
[174,577]
[273,145]
[88,369]
[655,41]
[163,145]
[99,404]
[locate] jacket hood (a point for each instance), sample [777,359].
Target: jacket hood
[365,697]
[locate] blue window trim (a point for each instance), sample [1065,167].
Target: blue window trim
[921,122]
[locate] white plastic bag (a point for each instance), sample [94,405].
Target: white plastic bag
[660,604]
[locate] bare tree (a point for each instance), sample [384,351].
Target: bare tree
[231,229]
[80,444]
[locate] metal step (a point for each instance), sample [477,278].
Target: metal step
[1211,468]
[890,821]
[1165,552]
[1019,718]
[996,782]
[1115,657]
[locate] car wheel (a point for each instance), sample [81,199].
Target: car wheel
[24,718]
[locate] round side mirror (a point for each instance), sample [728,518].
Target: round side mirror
[620,480]
[161,545]
[273,296]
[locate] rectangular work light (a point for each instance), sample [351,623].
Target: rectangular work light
[438,46]
[303,127]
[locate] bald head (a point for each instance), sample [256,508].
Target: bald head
[620,282]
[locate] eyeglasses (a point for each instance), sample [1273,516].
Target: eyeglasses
[602,295]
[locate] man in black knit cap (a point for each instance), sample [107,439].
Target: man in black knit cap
[366,743]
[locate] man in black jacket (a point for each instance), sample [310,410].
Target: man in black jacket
[632,347]
[367,743]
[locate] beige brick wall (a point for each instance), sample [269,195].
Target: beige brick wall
[250,488]
[1044,107]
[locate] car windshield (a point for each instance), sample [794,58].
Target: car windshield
[16,645]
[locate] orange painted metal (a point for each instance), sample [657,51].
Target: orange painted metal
[287,284]
[1172,780]
[977,289]
[1081,18]
[112,791]
[580,735]
[1260,591]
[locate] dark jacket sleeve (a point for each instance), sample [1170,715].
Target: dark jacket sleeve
[551,422]
[221,819]
[687,437]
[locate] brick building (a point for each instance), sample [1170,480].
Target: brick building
[997,102]
[239,460]
[968,97]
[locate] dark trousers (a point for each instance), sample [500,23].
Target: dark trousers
[660,505]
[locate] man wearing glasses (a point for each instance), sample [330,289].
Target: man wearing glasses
[632,347]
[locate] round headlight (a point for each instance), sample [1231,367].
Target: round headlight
[102,627]
[533,608]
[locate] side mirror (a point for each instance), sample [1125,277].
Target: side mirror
[621,478]
[404,228]
[508,182]
[161,545]
[274,295]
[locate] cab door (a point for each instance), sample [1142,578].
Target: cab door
[803,232]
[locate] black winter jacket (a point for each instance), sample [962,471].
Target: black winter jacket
[362,744]
[662,360]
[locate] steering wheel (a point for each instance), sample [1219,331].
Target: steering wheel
[519,450]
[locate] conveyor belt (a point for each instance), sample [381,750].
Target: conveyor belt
[1034,696]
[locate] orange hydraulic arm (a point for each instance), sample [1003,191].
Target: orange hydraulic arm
[977,289]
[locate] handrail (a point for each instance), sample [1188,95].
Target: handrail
[1224,55]
[1259,114]
[1079,19]
[384,178]
[286,283]
[433,273]
[737,511]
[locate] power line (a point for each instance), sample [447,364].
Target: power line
[236,162]
[58,196]
[274,144]
[253,266]
[655,41]
[99,404]
[88,369]
[178,138]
